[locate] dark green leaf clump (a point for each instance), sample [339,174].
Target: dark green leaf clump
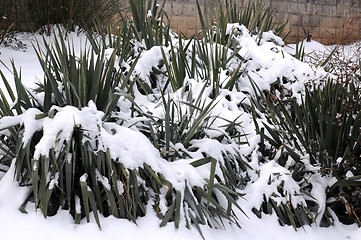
[312,140]
[324,129]
[71,168]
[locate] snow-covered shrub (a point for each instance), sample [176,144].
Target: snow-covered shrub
[71,148]
[317,143]
[257,19]
[58,131]
[76,80]
[147,121]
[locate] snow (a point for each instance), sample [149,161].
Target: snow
[271,175]
[266,63]
[311,46]
[343,59]
[319,187]
[147,60]
[16,225]
[124,145]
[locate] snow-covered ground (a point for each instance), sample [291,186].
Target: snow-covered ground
[344,61]
[16,225]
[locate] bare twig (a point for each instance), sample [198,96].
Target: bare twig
[6,32]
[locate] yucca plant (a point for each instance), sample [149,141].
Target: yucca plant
[91,77]
[218,53]
[128,51]
[9,138]
[299,50]
[71,171]
[120,39]
[178,134]
[68,146]
[201,60]
[54,160]
[255,17]
[177,67]
[149,22]
[69,166]
[324,129]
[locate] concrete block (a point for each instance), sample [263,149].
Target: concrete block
[280,7]
[333,11]
[329,22]
[192,23]
[173,23]
[319,2]
[340,11]
[340,36]
[190,9]
[168,7]
[332,2]
[355,34]
[339,22]
[326,10]
[304,20]
[356,3]
[182,22]
[318,16]
[344,3]
[177,8]
[315,21]
[309,8]
[266,3]
[279,18]
[348,3]
[354,12]
[348,23]
[317,10]
[328,33]
[287,28]
[292,8]
[295,20]
[315,31]
[301,8]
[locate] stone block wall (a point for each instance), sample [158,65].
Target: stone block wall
[328,21]
[183,16]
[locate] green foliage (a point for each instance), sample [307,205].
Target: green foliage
[92,77]
[77,172]
[175,133]
[73,168]
[9,141]
[178,66]
[300,51]
[325,129]
[316,137]
[255,17]
[149,22]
